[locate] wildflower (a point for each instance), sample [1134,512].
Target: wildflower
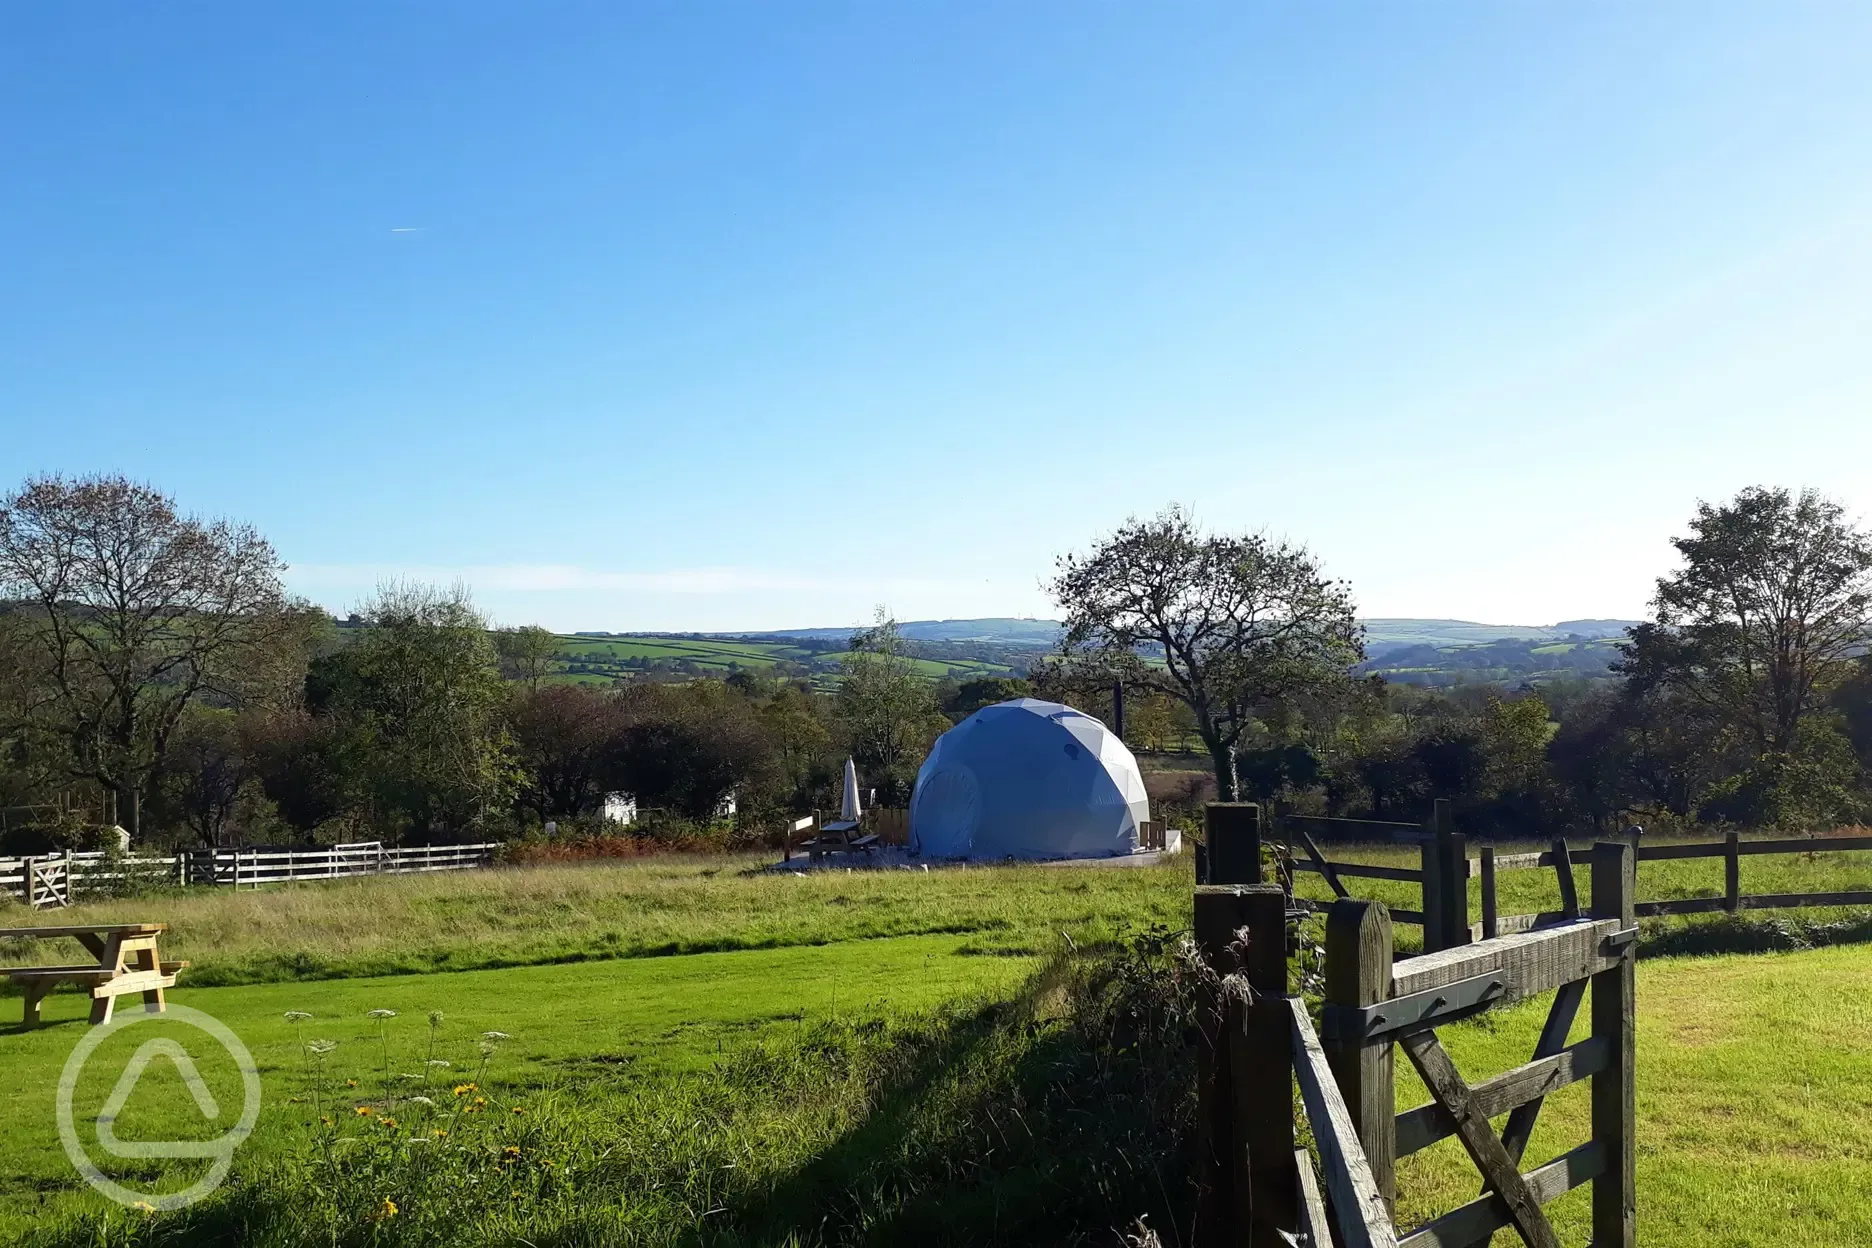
[440,1134]
[440,1063]
[145,1208]
[363,1111]
[320,1048]
[463,1089]
[406,1075]
[518,1110]
[387,1210]
[511,1152]
[495,1037]
[480,1100]
[381,1014]
[487,1048]
[298,1016]
[420,1100]
[389,1122]
[326,1121]
[435,1019]
[350,1083]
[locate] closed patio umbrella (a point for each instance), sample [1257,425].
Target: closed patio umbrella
[849,808]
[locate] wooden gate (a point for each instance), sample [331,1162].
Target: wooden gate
[47,882]
[1257,1189]
[1374,1007]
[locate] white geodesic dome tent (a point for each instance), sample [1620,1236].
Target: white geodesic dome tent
[1028,779]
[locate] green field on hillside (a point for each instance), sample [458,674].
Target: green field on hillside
[601,660]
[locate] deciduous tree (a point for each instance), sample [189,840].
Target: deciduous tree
[1226,624]
[131,611]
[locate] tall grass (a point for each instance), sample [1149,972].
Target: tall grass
[520,916]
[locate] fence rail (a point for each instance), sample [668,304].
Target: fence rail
[1259,1043]
[52,879]
[1731,849]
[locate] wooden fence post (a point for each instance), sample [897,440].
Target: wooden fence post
[1453,856]
[1732,872]
[1250,1183]
[1220,912]
[1430,866]
[1261,1065]
[1614,1107]
[1358,973]
[1490,910]
[1232,831]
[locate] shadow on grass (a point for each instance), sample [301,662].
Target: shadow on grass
[1703,937]
[1014,1128]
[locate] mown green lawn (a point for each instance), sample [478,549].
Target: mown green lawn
[596,1027]
[1754,1103]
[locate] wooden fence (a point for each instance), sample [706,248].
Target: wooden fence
[1731,849]
[1234,832]
[55,879]
[1258,1189]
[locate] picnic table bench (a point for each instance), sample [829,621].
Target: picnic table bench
[127,962]
[839,837]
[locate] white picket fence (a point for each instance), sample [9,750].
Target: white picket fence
[50,879]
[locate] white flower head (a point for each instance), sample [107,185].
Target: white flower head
[381,1014]
[440,1063]
[420,1100]
[297,1016]
[495,1037]
[321,1047]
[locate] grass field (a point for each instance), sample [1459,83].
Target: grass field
[704,1056]
[417,924]
[600,660]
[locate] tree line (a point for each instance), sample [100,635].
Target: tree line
[1746,699]
[155,674]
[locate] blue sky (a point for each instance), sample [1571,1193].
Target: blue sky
[718,316]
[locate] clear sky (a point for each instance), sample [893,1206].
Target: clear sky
[714,316]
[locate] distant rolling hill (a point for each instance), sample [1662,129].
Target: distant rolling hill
[1385,635]
[1381,634]
[1408,650]
[1006,631]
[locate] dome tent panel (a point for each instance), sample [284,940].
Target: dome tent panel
[1028,779]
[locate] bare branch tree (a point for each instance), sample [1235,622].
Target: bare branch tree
[133,611]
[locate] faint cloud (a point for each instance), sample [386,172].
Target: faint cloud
[408,229]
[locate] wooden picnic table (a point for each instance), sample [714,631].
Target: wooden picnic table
[127,962]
